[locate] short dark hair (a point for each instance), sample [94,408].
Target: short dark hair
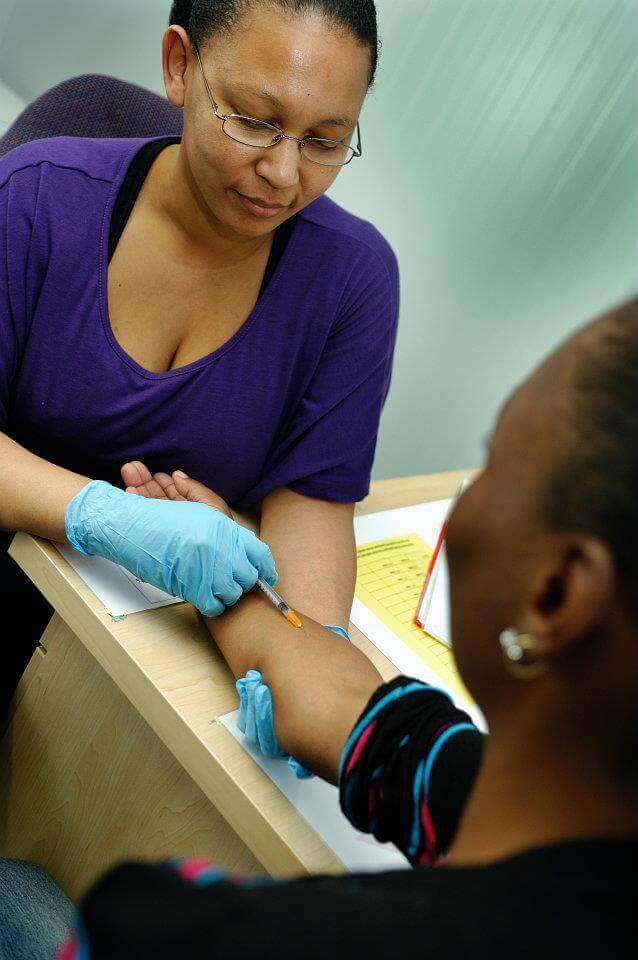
[202,19]
[593,486]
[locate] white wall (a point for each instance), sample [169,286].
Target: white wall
[45,41]
[501,150]
[510,192]
[10,106]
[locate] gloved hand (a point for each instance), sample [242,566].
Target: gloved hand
[256,719]
[190,550]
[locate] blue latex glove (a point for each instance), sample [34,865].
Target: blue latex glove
[190,550]
[256,719]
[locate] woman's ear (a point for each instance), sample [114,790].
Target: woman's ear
[175,53]
[574,597]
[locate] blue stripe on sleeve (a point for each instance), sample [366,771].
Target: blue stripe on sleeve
[422,781]
[378,707]
[415,835]
[434,752]
[82,951]
[209,876]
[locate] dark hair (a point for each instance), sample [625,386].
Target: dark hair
[594,484]
[203,19]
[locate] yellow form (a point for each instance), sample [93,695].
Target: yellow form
[390,575]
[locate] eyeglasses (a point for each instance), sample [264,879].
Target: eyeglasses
[263,135]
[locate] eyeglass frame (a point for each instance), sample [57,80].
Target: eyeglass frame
[223,117]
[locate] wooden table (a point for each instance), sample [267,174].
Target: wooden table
[112,750]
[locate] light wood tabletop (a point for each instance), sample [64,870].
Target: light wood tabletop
[112,750]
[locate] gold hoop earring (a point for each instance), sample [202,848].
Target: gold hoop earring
[514,647]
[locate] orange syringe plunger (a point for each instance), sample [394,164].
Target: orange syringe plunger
[279,602]
[292,617]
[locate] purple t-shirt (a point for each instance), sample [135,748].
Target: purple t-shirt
[292,399]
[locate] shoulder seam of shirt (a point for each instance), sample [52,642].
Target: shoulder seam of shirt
[54,163]
[359,240]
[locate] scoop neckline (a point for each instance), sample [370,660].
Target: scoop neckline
[103,304]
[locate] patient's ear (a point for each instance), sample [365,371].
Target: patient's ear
[574,596]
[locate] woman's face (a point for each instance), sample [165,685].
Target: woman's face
[497,541]
[299,73]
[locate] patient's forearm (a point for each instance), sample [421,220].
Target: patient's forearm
[314,548]
[319,682]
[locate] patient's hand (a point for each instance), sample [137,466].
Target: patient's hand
[138,479]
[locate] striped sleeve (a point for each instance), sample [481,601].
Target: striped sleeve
[408,767]
[197,872]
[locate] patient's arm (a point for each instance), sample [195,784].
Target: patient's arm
[312,540]
[319,682]
[313,544]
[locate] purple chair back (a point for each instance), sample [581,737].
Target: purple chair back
[94,106]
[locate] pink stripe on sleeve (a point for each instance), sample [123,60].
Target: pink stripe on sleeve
[360,747]
[191,869]
[68,949]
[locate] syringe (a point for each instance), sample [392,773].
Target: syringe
[278,601]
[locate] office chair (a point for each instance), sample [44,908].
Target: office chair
[93,105]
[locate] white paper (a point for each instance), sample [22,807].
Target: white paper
[318,803]
[119,591]
[423,518]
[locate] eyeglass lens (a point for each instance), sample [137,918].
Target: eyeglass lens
[257,133]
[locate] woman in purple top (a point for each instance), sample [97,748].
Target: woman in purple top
[199,303]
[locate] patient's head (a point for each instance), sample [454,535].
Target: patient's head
[546,540]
